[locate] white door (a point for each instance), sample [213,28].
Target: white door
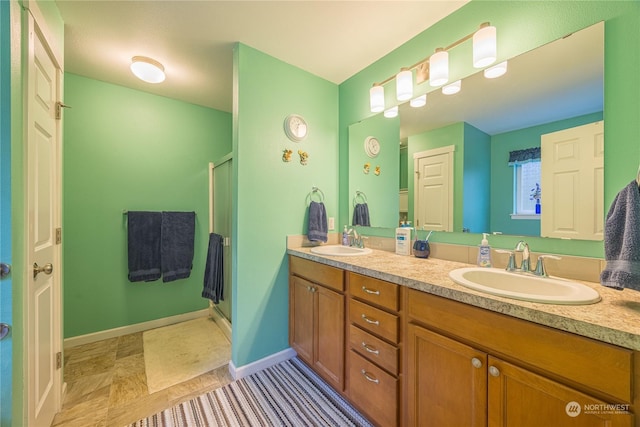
[433,191]
[572,180]
[43,204]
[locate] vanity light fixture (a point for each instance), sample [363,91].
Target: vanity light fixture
[404,84]
[391,112]
[452,88]
[435,67]
[376,98]
[419,101]
[147,69]
[496,71]
[484,46]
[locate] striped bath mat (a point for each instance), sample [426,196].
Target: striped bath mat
[287,394]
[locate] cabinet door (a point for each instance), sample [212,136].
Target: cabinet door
[301,314]
[329,359]
[448,381]
[518,397]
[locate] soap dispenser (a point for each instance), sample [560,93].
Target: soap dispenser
[484,252]
[345,236]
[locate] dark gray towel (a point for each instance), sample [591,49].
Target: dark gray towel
[213,271]
[622,240]
[178,232]
[361,215]
[143,245]
[317,229]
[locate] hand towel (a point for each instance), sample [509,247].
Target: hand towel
[317,230]
[361,215]
[143,245]
[213,271]
[178,232]
[622,240]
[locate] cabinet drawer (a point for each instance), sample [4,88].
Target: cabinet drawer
[604,368]
[379,292]
[373,391]
[374,320]
[381,353]
[326,275]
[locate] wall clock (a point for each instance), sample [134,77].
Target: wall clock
[295,127]
[372,146]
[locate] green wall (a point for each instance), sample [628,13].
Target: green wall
[522,26]
[476,180]
[381,191]
[502,173]
[130,150]
[271,195]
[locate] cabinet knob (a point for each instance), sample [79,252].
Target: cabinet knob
[477,363]
[493,371]
[369,377]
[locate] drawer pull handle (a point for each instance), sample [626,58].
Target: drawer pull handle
[369,348]
[369,377]
[372,321]
[369,291]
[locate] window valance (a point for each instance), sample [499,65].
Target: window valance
[524,156]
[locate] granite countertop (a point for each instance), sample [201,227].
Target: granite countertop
[615,319]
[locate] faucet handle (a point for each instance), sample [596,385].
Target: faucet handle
[511,264]
[540,269]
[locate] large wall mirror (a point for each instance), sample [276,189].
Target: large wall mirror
[554,87]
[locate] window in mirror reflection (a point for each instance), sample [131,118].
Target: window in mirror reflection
[527,192]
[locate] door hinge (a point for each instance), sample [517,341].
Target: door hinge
[59,107]
[58,236]
[59,360]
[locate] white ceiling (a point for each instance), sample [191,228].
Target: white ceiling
[194,39]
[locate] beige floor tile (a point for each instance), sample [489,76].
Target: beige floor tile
[140,408]
[129,365]
[90,413]
[91,366]
[128,345]
[127,389]
[87,388]
[88,351]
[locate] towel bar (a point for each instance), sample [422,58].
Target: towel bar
[361,195]
[313,191]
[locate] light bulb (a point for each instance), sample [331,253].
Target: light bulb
[391,112]
[419,101]
[452,88]
[147,69]
[496,71]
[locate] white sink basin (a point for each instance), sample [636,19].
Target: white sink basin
[339,250]
[525,287]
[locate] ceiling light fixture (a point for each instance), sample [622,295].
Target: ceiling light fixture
[435,68]
[452,88]
[147,69]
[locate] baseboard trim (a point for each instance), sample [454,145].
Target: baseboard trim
[258,365]
[131,329]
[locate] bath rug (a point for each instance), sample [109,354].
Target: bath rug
[286,394]
[180,352]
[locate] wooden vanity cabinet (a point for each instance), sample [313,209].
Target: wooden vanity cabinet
[317,317]
[469,366]
[374,342]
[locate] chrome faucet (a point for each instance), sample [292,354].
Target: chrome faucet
[523,247]
[355,239]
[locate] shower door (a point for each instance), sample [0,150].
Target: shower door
[221,199]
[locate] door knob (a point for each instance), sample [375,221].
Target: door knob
[46,269]
[4,330]
[5,269]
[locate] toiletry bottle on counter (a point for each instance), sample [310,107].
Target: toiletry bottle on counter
[345,237]
[403,240]
[484,252]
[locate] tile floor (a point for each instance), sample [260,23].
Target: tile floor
[107,385]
